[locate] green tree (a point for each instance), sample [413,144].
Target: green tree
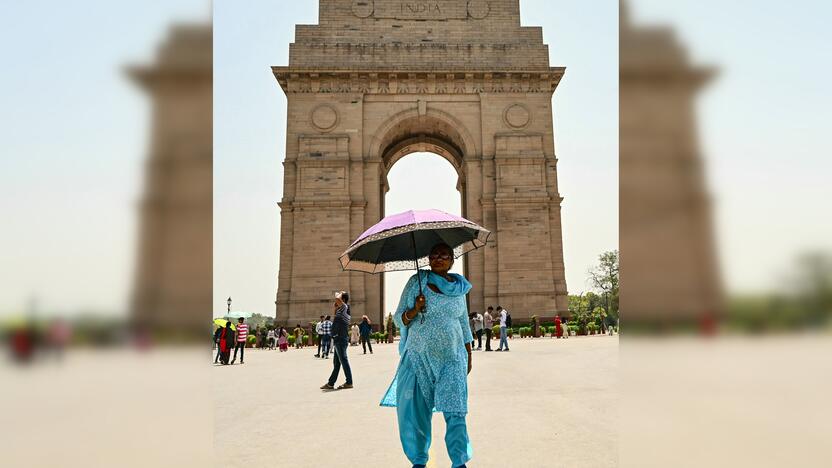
[604,278]
[259,321]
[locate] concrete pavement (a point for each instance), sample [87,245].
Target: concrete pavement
[546,403]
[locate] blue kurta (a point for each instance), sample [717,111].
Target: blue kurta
[434,350]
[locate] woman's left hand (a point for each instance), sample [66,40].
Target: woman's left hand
[469,362]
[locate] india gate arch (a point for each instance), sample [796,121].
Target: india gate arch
[374,81]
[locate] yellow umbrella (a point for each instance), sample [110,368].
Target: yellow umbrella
[221,323]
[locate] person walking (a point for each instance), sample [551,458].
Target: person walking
[558,326]
[217,334]
[435,349]
[478,323]
[318,336]
[225,343]
[391,329]
[298,337]
[488,323]
[283,340]
[365,329]
[340,338]
[503,324]
[271,338]
[242,336]
[326,336]
[354,334]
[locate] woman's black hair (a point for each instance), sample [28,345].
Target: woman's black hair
[442,244]
[345,297]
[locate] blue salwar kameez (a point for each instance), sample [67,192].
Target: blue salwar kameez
[433,368]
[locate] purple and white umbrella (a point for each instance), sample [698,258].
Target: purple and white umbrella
[403,241]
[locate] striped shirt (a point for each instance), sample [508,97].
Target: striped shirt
[242,332]
[326,328]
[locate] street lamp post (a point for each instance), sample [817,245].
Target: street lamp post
[229,304]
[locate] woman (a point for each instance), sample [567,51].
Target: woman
[283,339]
[354,335]
[299,337]
[225,343]
[435,351]
[558,326]
[365,329]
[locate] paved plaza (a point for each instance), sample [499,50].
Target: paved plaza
[547,403]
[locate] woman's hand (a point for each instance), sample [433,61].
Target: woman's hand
[420,303]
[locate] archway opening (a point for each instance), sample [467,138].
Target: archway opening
[419,180]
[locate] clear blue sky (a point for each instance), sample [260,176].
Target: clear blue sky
[74,133]
[249,139]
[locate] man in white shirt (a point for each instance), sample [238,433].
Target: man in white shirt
[503,338]
[489,323]
[478,329]
[318,335]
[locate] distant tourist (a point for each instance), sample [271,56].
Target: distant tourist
[270,337]
[217,335]
[326,335]
[365,329]
[242,336]
[504,323]
[558,326]
[299,337]
[488,323]
[318,336]
[283,339]
[391,329]
[565,326]
[340,338]
[354,334]
[224,342]
[478,324]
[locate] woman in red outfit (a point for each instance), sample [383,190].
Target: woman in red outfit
[558,327]
[226,339]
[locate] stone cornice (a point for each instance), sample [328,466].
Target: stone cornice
[298,80]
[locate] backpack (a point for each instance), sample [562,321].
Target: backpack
[508,320]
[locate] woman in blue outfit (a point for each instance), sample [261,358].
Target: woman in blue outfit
[435,350]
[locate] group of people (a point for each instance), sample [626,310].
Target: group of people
[228,338]
[358,333]
[273,337]
[483,324]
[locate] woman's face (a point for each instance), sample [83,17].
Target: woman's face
[441,259]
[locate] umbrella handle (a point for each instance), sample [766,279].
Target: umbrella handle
[416,260]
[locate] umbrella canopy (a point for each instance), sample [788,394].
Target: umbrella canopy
[238,314]
[403,241]
[221,323]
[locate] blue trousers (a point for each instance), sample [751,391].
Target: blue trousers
[326,341]
[339,360]
[414,415]
[503,339]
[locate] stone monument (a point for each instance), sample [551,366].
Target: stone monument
[377,80]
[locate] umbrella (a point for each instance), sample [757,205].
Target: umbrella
[221,322]
[403,241]
[238,314]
